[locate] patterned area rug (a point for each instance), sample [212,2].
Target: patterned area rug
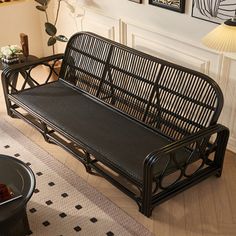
[63,203]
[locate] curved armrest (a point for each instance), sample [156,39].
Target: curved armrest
[12,82]
[219,145]
[184,180]
[10,73]
[15,69]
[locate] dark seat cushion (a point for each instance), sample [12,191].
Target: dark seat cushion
[116,137]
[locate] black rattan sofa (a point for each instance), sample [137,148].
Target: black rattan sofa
[147,125]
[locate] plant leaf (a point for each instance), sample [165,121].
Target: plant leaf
[51,41]
[42,8]
[42,2]
[50,29]
[62,38]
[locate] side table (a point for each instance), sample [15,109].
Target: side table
[22,59]
[13,216]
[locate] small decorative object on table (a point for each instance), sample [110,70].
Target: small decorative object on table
[8,193]
[10,54]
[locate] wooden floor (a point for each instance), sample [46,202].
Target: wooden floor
[204,210]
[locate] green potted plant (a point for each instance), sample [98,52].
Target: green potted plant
[50,27]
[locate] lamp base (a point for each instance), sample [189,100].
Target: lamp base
[230,22]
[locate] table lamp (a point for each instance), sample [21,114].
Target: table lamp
[223,37]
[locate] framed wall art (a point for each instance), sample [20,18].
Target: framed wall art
[216,11]
[137,1]
[174,5]
[4,2]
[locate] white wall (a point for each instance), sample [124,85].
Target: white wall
[21,17]
[165,20]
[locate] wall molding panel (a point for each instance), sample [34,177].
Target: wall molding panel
[228,82]
[172,48]
[98,23]
[167,52]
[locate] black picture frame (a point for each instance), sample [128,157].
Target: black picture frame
[5,2]
[225,10]
[136,1]
[160,3]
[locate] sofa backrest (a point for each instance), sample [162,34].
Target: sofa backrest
[164,96]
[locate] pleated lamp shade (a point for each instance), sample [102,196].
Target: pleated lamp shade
[223,37]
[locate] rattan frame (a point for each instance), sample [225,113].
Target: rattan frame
[96,67]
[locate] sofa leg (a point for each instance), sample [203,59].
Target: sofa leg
[87,166]
[146,210]
[218,173]
[45,132]
[89,169]
[47,139]
[146,204]
[11,114]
